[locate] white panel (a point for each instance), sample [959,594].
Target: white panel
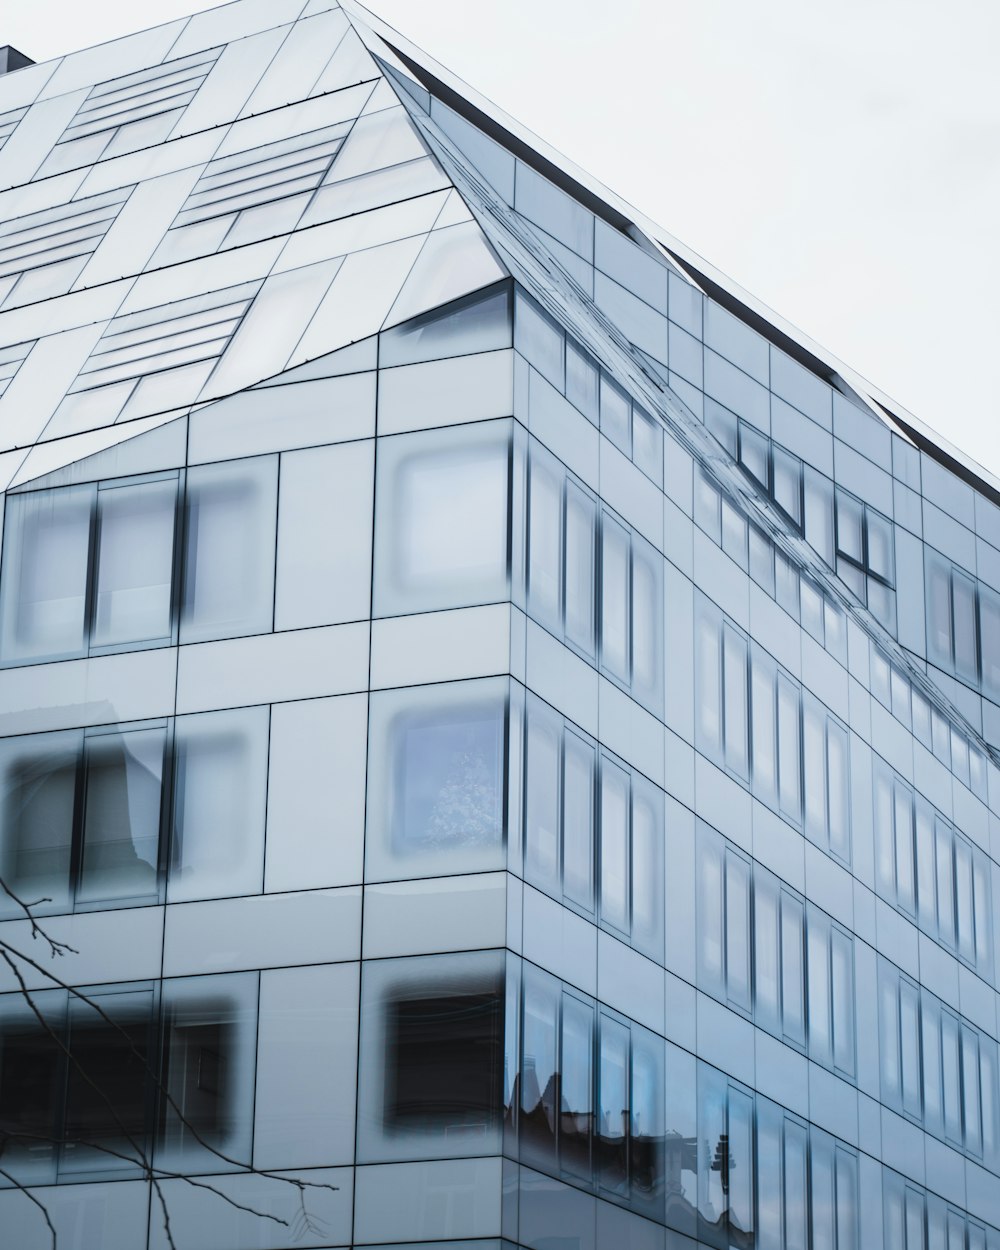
[195,277]
[360,357]
[446,392]
[324,566]
[84,458]
[355,305]
[138,228]
[79,308]
[233,77]
[164,158]
[262,931]
[350,63]
[17,90]
[434,915]
[271,668]
[362,230]
[376,142]
[32,141]
[114,59]
[454,212]
[278,418]
[276,321]
[294,119]
[307,1044]
[231,22]
[135,685]
[454,260]
[302,58]
[28,403]
[441,646]
[316,793]
[35,196]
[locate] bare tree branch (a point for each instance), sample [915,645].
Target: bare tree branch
[55,947]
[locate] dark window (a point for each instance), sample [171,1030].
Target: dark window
[444,1061]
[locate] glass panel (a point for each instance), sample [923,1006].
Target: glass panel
[45,572]
[647,868]
[135,559]
[441,519]
[930,1040]
[950,1068]
[822,1193]
[754,454]
[879,533]
[847,1200]
[792,968]
[903,825]
[964,899]
[542,798]
[762,741]
[614,845]
[767,952]
[38,786]
[734,676]
[538,340]
[788,748]
[615,598]
[818,955]
[708,685]
[476,323]
[939,611]
[814,769]
[788,484]
[769,1187]
[838,796]
[581,524]
[121,838]
[945,871]
[741,1186]
[616,414]
[647,641]
[647,1128]
[576,1087]
[972,1116]
[647,445]
[849,527]
[544,540]
[842,990]
[579,759]
[989,639]
[582,379]
[924,838]
[220,783]
[540,1077]
[229,572]
[738,931]
[909,1034]
[613,1106]
[796,1189]
[710,916]
[964,608]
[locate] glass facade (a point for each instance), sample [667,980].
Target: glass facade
[500,743]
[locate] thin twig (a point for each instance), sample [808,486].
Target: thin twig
[55,946]
[31,1198]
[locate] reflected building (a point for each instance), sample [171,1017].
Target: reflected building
[506,729]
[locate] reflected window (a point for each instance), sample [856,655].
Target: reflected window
[442,519]
[82,1094]
[480,322]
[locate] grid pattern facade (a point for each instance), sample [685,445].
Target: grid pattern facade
[498,742]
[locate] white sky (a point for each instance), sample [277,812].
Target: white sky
[840,158]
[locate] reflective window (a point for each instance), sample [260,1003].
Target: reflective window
[437,780]
[962,624]
[441,530]
[480,322]
[85,815]
[79,1091]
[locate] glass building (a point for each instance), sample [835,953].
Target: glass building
[502,732]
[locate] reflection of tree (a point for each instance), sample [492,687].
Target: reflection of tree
[129,1144]
[465,805]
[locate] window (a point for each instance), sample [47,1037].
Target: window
[588,388]
[963,624]
[432,1047]
[931,872]
[95,568]
[777,471]
[766,952]
[592,822]
[437,780]
[118,1071]
[936,1068]
[442,517]
[593,581]
[85,814]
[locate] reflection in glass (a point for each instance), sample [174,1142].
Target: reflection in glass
[45,564]
[135,559]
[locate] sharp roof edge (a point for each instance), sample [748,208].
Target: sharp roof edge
[710,280]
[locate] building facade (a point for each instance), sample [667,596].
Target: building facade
[499,734]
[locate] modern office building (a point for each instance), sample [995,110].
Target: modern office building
[505,730]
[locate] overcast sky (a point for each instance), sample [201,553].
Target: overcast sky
[841,160]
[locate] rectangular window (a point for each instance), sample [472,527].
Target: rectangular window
[737,931]
[789,748]
[576,1087]
[735,701]
[581,525]
[544,539]
[541,838]
[615,599]
[579,769]
[614,845]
